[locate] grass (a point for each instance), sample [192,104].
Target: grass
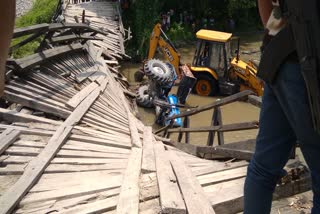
[41,12]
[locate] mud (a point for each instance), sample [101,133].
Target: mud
[232,113]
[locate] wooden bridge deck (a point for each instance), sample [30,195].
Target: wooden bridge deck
[71,143]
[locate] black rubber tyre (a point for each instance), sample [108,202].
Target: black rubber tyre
[206,85]
[143,98]
[158,71]
[138,76]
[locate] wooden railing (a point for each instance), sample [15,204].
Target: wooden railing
[216,127]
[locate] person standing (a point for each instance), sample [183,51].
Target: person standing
[168,21]
[285,118]
[7,16]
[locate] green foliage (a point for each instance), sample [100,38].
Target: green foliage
[178,32]
[142,17]
[245,12]
[41,12]
[143,14]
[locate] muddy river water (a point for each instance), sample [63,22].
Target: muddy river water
[231,113]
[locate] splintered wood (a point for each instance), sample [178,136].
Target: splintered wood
[78,148]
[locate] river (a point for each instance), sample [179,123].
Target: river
[232,113]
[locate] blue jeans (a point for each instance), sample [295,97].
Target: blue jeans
[284,120]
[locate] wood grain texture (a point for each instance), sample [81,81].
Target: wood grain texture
[170,197]
[148,160]
[193,194]
[7,138]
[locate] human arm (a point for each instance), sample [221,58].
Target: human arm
[7,15]
[265,8]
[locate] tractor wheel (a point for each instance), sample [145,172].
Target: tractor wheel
[205,85]
[138,76]
[158,71]
[143,98]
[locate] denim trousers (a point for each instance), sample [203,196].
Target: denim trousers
[285,118]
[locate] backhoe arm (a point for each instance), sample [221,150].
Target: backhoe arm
[171,55]
[169,51]
[154,40]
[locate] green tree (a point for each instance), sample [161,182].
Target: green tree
[244,11]
[142,17]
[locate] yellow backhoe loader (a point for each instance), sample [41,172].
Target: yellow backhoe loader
[214,66]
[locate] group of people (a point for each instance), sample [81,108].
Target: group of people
[187,18]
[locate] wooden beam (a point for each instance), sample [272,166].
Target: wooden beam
[170,197]
[7,138]
[255,100]
[148,160]
[193,194]
[219,123]
[71,38]
[30,30]
[81,95]
[35,104]
[37,58]
[240,150]
[11,198]
[221,102]
[129,195]
[36,167]
[227,197]
[187,148]
[60,26]
[13,116]
[26,41]
[224,128]
[214,120]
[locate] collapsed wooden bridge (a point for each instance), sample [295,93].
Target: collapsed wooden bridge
[70,142]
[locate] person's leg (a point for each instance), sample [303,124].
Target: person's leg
[7,15]
[291,87]
[274,144]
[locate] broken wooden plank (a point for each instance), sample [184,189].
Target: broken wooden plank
[188,148]
[222,176]
[13,116]
[227,197]
[255,100]
[170,197]
[223,128]
[193,194]
[72,191]
[35,59]
[99,206]
[9,200]
[241,150]
[135,138]
[129,195]
[29,30]
[81,95]
[7,138]
[69,38]
[26,41]
[12,197]
[217,103]
[34,103]
[148,160]
[60,26]
[80,77]
[148,187]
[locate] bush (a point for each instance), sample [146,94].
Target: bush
[42,11]
[178,32]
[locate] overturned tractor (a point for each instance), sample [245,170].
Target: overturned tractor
[161,78]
